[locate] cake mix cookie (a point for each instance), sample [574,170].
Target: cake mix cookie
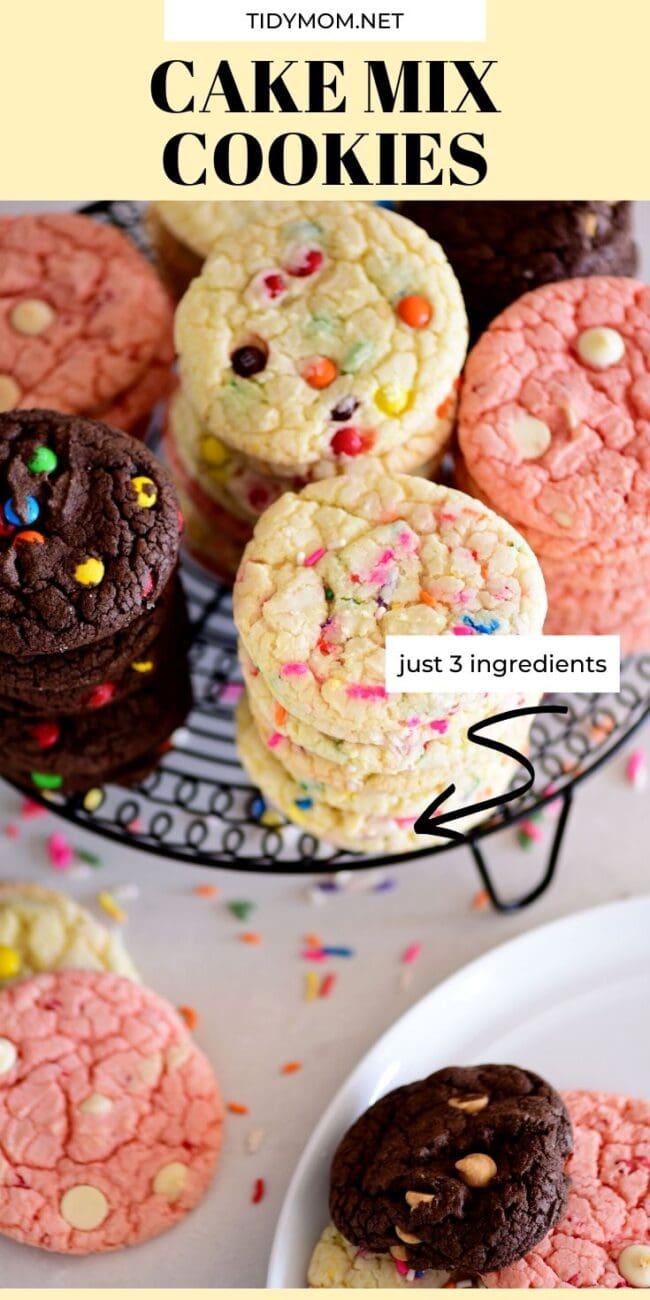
[337,1263]
[603,1239]
[110,1118]
[554,416]
[332,331]
[463,1171]
[246,488]
[119,737]
[388,828]
[94,674]
[42,930]
[184,233]
[85,324]
[500,250]
[89,532]
[413,745]
[332,571]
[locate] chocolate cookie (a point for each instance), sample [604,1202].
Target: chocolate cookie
[64,683]
[89,531]
[500,250]
[463,1171]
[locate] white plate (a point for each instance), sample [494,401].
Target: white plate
[568,1000]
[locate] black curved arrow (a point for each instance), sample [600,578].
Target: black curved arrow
[430,824]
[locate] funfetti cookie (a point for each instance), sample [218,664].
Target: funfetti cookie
[554,421]
[89,532]
[85,324]
[43,930]
[330,332]
[332,571]
[110,1117]
[456,1171]
[603,1239]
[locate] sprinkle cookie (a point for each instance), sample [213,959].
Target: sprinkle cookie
[184,233]
[110,1119]
[332,571]
[331,332]
[42,930]
[85,324]
[88,532]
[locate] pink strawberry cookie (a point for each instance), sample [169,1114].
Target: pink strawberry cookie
[110,1117]
[604,1238]
[554,421]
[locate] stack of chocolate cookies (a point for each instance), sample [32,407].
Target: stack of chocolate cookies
[93,631]
[500,250]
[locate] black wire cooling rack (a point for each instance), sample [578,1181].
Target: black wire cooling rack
[199,806]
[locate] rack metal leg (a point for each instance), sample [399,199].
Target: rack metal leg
[516,905]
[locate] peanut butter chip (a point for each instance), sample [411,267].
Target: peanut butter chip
[407,1237]
[398,1252]
[414,1199]
[634,1264]
[32,316]
[532,437]
[83,1207]
[170,1180]
[600,346]
[590,224]
[476,1170]
[473,1105]
[9,393]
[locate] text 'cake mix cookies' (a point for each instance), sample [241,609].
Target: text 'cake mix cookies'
[554,431]
[330,572]
[330,332]
[598,1234]
[43,930]
[85,324]
[110,1117]
[500,250]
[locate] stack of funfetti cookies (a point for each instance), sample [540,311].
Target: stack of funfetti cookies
[318,337]
[554,433]
[85,322]
[329,574]
[110,1114]
[93,674]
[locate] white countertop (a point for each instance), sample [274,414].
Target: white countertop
[250,999]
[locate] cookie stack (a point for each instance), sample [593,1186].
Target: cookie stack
[500,250]
[85,323]
[329,574]
[554,433]
[93,675]
[184,234]
[320,338]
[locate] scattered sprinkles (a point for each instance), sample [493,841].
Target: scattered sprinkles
[636,769]
[291,1067]
[259,1189]
[206,891]
[241,909]
[237,1108]
[60,852]
[411,954]
[112,908]
[190,1016]
[251,937]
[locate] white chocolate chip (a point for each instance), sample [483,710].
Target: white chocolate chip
[9,393]
[600,346]
[407,1237]
[96,1104]
[150,1068]
[32,316]
[414,1199]
[532,437]
[477,1169]
[170,1180]
[83,1207]
[634,1264]
[562,518]
[8,1055]
[177,1054]
[473,1105]
[590,224]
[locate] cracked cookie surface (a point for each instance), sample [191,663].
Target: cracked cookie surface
[110,1119]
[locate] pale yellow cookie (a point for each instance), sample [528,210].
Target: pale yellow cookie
[337,1263]
[324,332]
[332,571]
[46,931]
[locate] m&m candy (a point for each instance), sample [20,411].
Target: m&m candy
[319,372]
[31,512]
[415,311]
[42,461]
[90,572]
[145,490]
